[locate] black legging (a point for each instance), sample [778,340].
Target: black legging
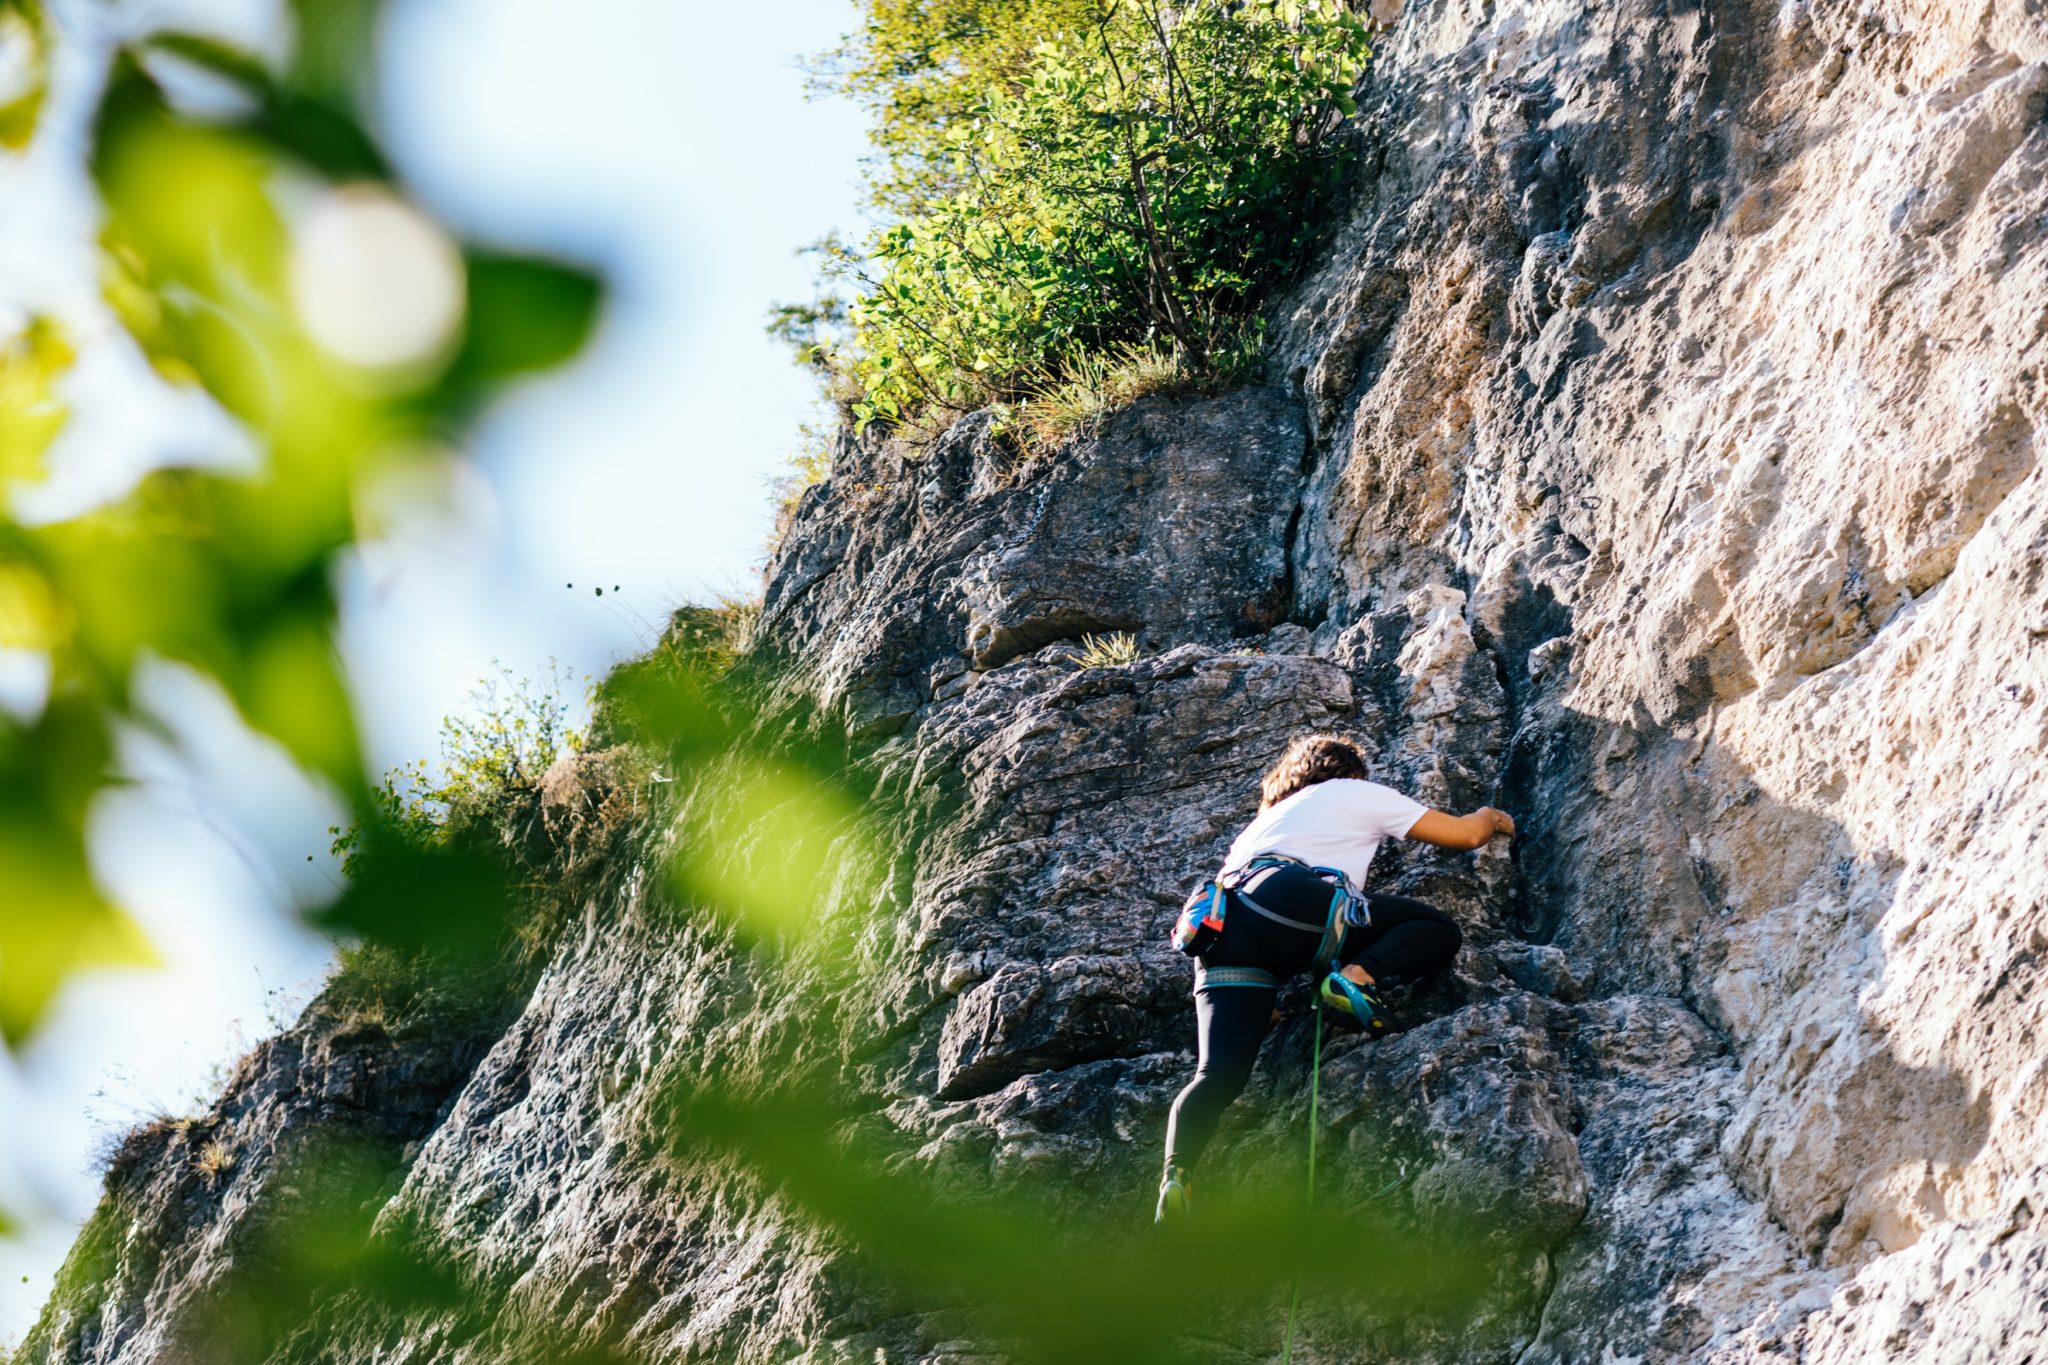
[1406,938]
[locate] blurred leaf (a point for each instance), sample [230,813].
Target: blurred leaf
[31,412]
[1009,1254]
[669,708]
[230,573]
[761,841]
[29,617]
[191,224]
[223,59]
[525,314]
[24,70]
[178,570]
[444,898]
[136,576]
[332,57]
[322,1242]
[73,926]
[324,133]
[54,921]
[125,284]
[289,685]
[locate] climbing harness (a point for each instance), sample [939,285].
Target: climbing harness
[1202,915]
[1315,1086]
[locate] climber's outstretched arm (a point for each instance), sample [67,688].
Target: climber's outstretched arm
[1461,831]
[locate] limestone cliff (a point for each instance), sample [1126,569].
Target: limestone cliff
[1653,453]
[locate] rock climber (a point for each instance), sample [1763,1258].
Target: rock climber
[1317,813]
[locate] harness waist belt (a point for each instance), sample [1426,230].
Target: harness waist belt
[1211,978]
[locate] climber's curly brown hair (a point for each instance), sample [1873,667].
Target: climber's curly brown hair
[1310,759]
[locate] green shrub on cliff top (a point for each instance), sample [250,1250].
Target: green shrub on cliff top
[1062,176]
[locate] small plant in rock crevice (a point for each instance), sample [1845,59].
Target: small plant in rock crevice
[214,1159]
[1107,651]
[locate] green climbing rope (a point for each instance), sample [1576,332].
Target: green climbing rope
[1315,1086]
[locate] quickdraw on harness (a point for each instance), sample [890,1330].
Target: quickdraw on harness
[1202,916]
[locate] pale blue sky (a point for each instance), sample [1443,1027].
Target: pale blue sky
[668,141]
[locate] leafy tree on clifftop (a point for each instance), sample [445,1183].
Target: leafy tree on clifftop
[1065,176]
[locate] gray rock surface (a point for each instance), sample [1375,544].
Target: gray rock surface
[914,568]
[1653,452]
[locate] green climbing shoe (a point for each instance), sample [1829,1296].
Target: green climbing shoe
[1362,1003]
[1174,1198]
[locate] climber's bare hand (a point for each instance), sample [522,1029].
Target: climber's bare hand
[1462,832]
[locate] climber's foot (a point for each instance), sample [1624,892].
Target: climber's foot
[1174,1197]
[1357,999]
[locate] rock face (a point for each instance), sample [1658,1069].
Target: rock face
[1653,453]
[906,579]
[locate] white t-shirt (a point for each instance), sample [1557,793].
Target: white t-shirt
[1338,823]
